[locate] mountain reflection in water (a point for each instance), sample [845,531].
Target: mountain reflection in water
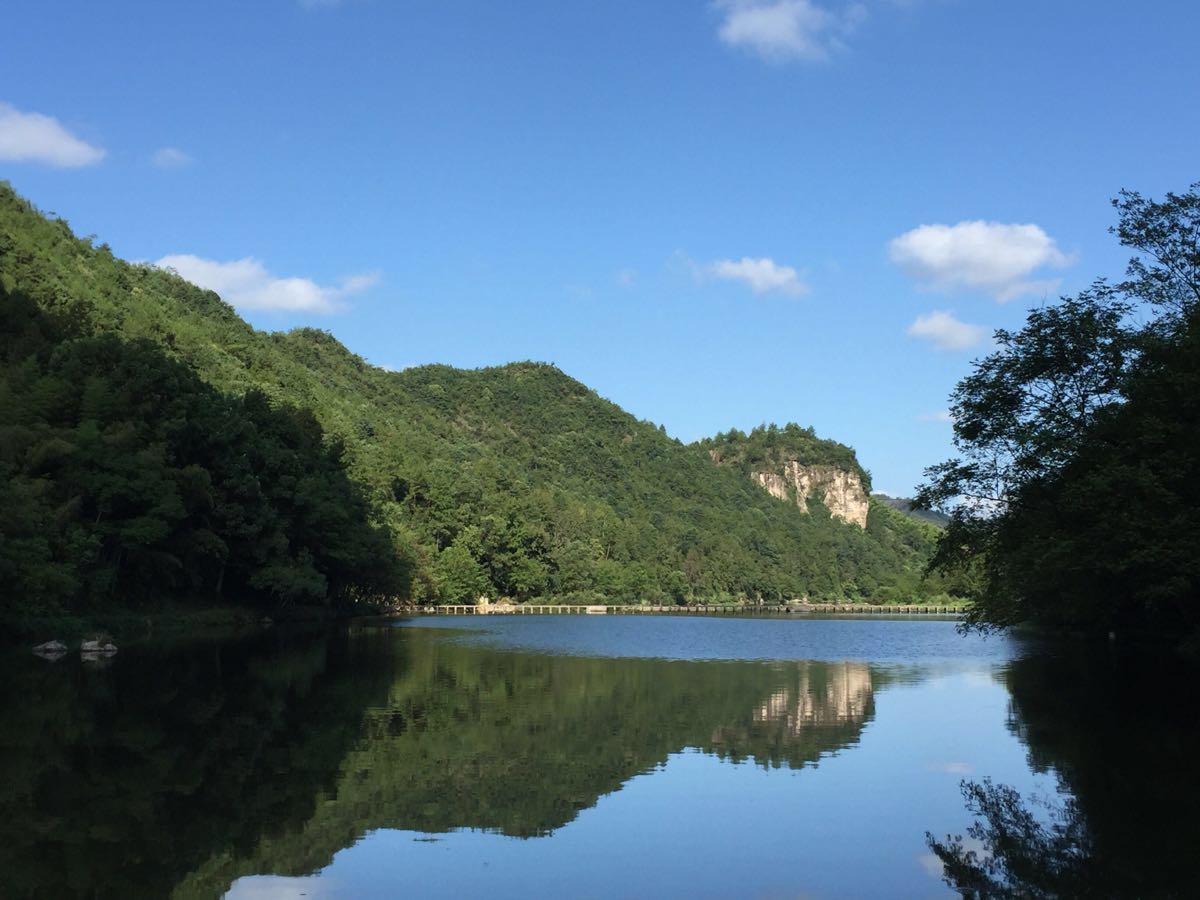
[179,769]
[176,770]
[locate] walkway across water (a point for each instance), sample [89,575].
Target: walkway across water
[536,609]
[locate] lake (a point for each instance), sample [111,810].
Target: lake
[596,756]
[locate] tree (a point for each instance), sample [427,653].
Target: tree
[460,576]
[1076,440]
[125,478]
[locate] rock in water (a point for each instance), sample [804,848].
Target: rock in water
[96,649]
[51,650]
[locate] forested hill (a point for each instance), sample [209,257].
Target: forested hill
[770,447]
[907,506]
[513,481]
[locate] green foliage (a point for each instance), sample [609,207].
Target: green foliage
[889,565]
[460,576]
[550,489]
[1078,480]
[125,478]
[906,506]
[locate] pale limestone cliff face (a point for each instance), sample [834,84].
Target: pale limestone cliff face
[843,694]
[841,491]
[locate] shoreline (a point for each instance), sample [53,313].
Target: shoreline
[772,610]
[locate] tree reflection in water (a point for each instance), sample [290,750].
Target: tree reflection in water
[1019,855]
[1118,726]
[176,770]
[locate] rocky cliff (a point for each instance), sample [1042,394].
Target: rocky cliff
[793,464]
[841,491]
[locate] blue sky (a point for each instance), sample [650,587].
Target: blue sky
[716,214]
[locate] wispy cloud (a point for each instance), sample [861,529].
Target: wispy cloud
[34,137]
[171,158]
[946,332]
[942,415]
[246,284]
[951,768]
[786,30]
[992,257]
[931,864]
[282,887]
[761,275]
[627,278]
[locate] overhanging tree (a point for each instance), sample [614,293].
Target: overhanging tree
[1074,438]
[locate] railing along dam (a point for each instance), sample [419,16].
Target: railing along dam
[539,609]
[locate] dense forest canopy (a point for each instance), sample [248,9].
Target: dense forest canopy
[122,474]
[1078,483]
[280,467]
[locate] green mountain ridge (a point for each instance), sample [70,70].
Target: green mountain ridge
[511,481]
[906,506]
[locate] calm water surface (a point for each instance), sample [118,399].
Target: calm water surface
[587,757]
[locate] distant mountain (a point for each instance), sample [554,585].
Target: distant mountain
[905,506]
[510,481]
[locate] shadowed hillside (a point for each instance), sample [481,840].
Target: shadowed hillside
[512,481]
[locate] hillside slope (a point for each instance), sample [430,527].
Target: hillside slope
[824,479]
[516,481]
[905,505]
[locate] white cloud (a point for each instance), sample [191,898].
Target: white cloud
[763,276]
[246,284]
[986,256]
[942,415]
[945,331]
[171,158]
[33,137]
[356,284]
[785,30]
